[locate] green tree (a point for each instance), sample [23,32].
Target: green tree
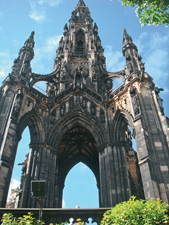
[137,212]
[151,11]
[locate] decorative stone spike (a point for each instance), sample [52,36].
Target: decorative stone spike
[81,3]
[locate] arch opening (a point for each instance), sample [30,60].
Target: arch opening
[77,145]
[18,170]
[116,83]
[81,183]
[41,86]
[135,179]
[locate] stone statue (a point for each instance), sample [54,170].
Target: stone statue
[159,100]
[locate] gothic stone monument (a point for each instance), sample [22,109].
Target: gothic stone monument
[81,120]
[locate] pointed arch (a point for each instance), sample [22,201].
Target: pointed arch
[80,42]
[78,145]
[73,119]
[120,116]
[33,121]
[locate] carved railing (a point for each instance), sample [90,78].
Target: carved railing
[53,215]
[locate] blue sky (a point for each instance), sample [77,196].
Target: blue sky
[47,18]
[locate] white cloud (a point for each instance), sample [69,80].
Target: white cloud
[1,29]
[37,15]
[114,59]
[2,74]
[5,54]
[51,44]
[5,63]
[14,184]
[50,2]
[139,42]
[63,203]
[156,58]
[155,54]
[45,53]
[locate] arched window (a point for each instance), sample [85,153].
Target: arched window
[80,42]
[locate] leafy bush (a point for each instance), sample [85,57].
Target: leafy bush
[138,212]
[151,11]
[8,218]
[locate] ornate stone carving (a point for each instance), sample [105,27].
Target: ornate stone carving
[135,100]
[17,105]
[159,100]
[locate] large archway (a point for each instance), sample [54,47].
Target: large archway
[124,132]
[77,145]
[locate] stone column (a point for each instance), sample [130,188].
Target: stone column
[152,149]
[9,139]
[41,166]
[114,177]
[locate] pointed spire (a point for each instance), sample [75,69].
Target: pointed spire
[30,41]
[133,60]
[126,38]
[81,3]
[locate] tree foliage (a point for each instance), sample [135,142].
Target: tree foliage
[9,219]
[151,11]
[137,212]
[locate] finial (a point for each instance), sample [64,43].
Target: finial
[126,38]
[81,3]
[30,41]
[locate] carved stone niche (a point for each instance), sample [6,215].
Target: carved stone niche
[52,117]
[17,105]
[62,110]
[102,116]
[93,109]
[135,101]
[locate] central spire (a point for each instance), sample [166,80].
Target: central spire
[81,3]
[81,15]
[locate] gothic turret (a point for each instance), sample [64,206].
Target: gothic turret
[133,60]
[22,63]
[80,55]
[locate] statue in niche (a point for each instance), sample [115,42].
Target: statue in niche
[135,100]
[93,109]
[142,68]
[78,76]
[94,70]
[136,104]
[52,117]
[102,116]
[159,100]
[84,103]
[62,110]
[71,103]
[63,71]
[17,104]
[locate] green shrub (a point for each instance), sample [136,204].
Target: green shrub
[9,219]
[138,212]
